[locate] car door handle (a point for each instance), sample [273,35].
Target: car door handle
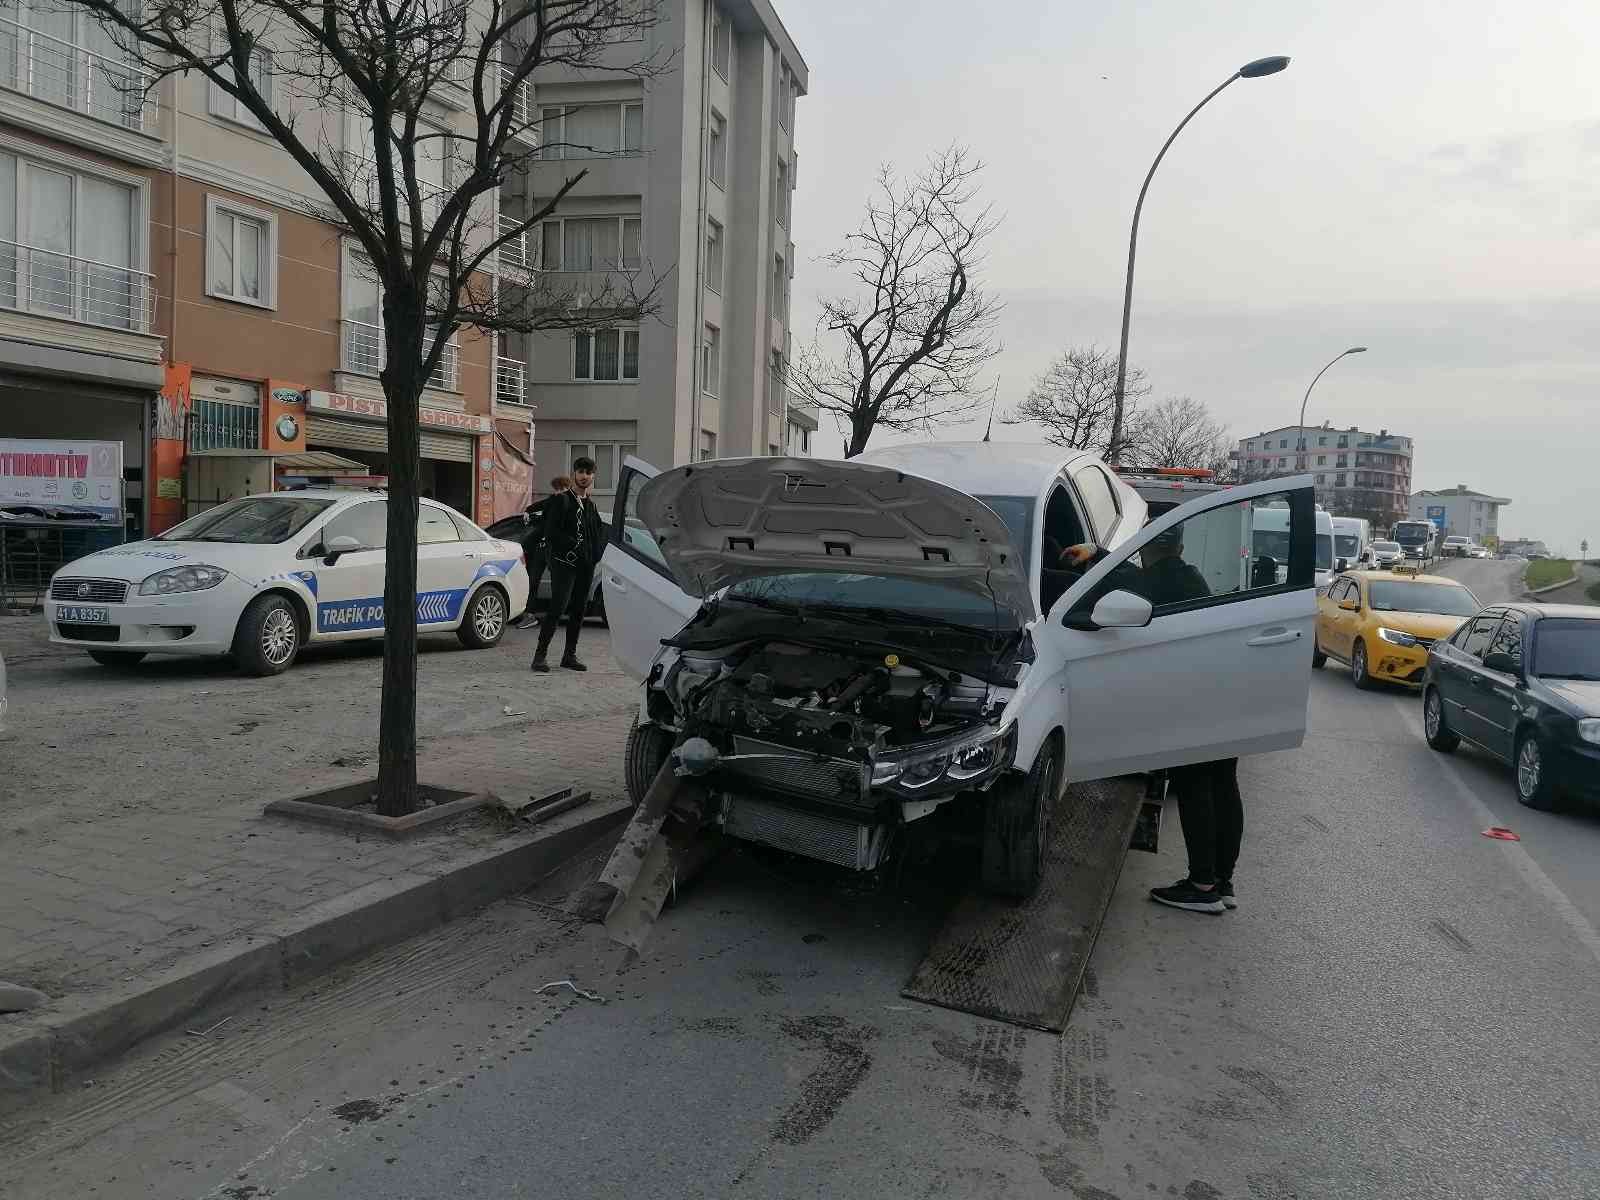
[618,584]
[1275,637]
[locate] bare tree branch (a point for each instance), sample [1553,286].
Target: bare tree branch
[904,351]
[1180,432]
[1074,400]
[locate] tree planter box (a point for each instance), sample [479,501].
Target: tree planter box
[350,807]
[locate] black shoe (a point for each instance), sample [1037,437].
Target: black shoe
[540,665]
[1225,890]
[1185,895]
[527,621]
[571,663]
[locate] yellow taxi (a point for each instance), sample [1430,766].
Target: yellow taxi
[1382,623]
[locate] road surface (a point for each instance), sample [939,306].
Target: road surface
[1492,580]
[1401,1007]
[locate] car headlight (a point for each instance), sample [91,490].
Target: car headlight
[969,759]
[182,579]
[1589,730]
[1397,637]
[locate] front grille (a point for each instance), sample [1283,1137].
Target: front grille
[789,770]
[842,843]
[89,591]
[89,633]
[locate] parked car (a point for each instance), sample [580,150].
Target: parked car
[514,528]
[1522,681]
[259,577]
[1387,554]
[1383,623]
[845,647]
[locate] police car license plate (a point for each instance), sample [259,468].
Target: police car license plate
[73,615]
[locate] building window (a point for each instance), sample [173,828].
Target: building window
[1282,463]
[721,42]
[711,360]
[1249,445]
[714,257]
[1338,480]
[780,198]
[708,445]
[789,94]
[605,355]
[608,459]
[68,245]
[591,244]
[241,253]
[1322,460]
[780,101]
[71,59]
[365,348]
[1322,441]
[780,284]
[591,130]
[776,383]
[1344,442]
[1283,443]
[229,109]
[718,166]
[430,157]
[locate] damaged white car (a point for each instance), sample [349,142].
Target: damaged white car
[857,643]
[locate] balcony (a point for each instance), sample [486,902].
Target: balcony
[60,73]
[521,104]
[520,250]
[510,381]
[75,289]
[364,354]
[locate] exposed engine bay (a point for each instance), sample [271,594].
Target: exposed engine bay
[826,751]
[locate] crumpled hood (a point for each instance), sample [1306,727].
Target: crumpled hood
[137,561]
[722,522]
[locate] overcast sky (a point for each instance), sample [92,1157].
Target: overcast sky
[1424,180]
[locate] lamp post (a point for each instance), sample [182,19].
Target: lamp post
[1251,70]
[1300,438]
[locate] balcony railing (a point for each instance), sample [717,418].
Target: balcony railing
[77,289]
[56,71]
[364,354]
[521,101]
[510,380]
[518,251]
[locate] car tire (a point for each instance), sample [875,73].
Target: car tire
[1318,658]
[1016,834]
[1531,770]
[1360,673]
[484,623]
[117,658]
[1434,727]
[269,636]
[643,755]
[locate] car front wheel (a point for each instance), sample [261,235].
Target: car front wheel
[1016,832]
[643,757]
[1535,785]
[268,638]
[484,622]
[1433,723]
[1359,673]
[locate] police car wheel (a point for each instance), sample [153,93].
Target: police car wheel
[268,638]
[484,622]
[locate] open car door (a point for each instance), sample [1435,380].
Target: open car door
[1192,641]
[643,605]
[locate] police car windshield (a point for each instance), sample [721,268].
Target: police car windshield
[1446,599]
[253,521]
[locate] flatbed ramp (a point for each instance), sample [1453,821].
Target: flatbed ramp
[1024,962]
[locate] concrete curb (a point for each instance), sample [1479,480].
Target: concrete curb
[1556,587]
[49,1046]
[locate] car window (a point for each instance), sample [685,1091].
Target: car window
[1477,643]
[1094,487]
[1445,599]
[254,521]
[471,533]
[367,523]
[1507,638]
[636,540]
[1017,514]
[1567,648]
[434,526]
[636,537]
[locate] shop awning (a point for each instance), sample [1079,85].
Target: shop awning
[312,462]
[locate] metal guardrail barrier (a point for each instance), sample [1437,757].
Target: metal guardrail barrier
[32,551]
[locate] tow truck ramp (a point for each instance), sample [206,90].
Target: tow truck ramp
[1023,962]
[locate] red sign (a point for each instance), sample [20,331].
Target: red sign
[365,408]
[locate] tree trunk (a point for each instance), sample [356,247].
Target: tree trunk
[860,431]
[397,720]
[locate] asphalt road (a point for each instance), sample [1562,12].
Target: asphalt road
[1400,1008]
[1492,580]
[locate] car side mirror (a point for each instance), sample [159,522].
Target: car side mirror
[1502,662]
[1120,610]
[1350,604]
[334,547]
[1342,565]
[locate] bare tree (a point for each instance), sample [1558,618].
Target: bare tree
[1075,401]
[903,351]
[437,90]
[1180,432]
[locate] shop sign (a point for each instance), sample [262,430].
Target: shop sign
[366,408]
[58,473]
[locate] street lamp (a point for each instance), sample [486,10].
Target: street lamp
[1300,440]
[1251,70]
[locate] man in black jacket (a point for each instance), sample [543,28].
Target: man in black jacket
[574,540]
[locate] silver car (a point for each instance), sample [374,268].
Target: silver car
[1386,554]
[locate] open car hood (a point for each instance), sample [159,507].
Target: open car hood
[719,523]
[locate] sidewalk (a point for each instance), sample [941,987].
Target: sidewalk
[131,834]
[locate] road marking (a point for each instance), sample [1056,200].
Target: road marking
[1521,860]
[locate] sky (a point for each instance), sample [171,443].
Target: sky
[1423,180]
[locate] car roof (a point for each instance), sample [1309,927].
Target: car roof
[1583,612]
[982,468]
[1405,578]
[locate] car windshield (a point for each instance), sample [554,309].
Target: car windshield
[1567,648]
[253,521]
[1348,544]
[1446,599]
[873,596]
[1017,513]
[1386,547]
[1324,552]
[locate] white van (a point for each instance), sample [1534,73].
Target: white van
[1352,542]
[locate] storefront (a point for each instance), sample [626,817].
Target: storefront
[456,447]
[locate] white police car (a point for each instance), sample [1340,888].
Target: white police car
[261,576]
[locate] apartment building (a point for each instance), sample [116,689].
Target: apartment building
[1461,511]
[1358,473]
[690,177]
